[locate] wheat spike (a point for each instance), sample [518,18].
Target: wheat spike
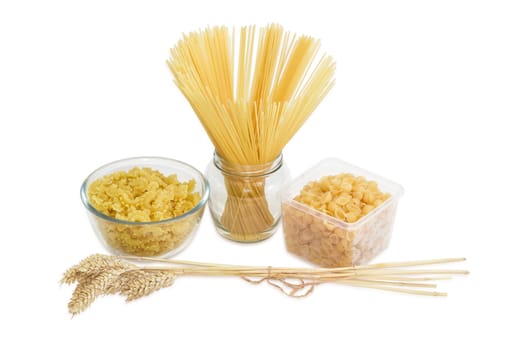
[146,283]
[88,290]
[93,265]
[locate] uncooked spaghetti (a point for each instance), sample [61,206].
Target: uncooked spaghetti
[251,100]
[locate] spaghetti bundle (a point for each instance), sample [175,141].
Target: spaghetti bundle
[251,98]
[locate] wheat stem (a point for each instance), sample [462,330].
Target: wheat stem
[100,275]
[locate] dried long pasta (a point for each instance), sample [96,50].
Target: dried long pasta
[252,107]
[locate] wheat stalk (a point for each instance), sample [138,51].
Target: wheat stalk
[99,275]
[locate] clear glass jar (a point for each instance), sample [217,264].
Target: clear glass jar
[245,199]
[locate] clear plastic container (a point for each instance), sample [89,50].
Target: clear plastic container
[331,242]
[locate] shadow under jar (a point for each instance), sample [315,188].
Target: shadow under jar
[245,199]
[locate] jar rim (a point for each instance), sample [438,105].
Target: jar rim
[253,170]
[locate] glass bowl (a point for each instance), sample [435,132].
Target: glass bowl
[154,238]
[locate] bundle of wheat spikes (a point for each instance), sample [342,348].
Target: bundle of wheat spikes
[100,275]
[251,98]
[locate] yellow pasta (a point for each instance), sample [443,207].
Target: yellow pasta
[342,196]
[251,98]
[144,195]
[346,198]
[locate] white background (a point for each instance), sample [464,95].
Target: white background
[429,94]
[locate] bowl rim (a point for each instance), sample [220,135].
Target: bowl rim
[319,170]
[92,210]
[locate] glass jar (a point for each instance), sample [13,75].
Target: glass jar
[245,199]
